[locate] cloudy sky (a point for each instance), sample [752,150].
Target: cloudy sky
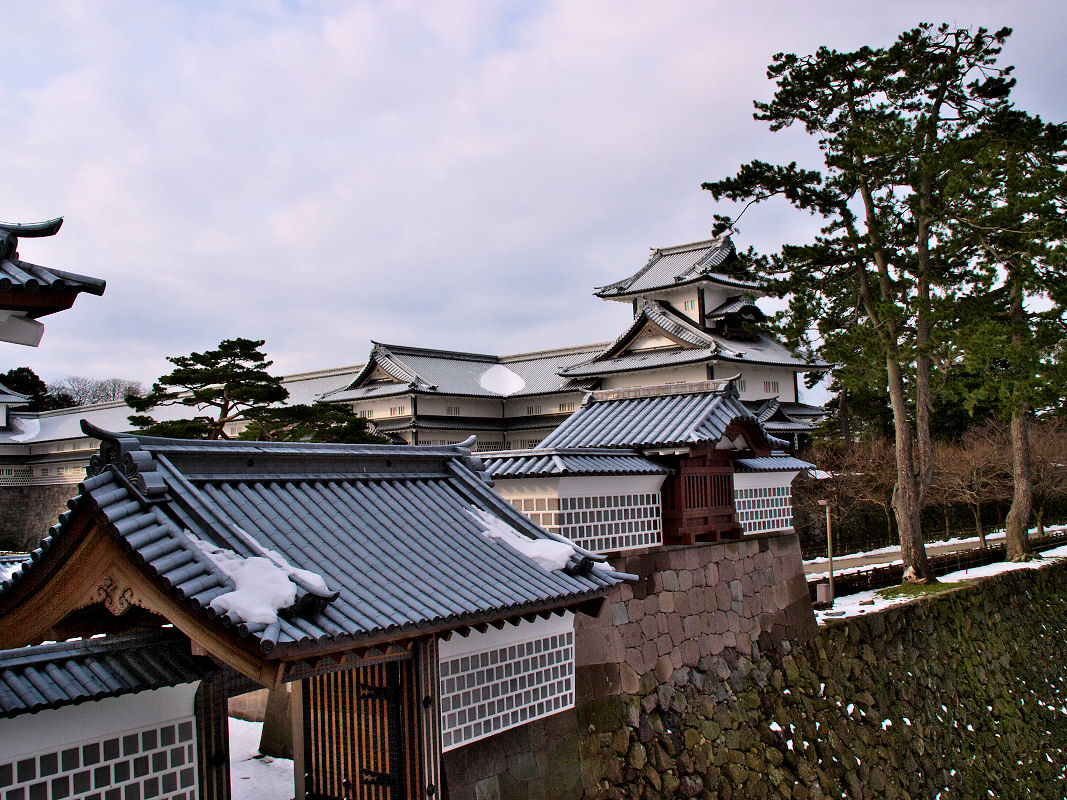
[446,174]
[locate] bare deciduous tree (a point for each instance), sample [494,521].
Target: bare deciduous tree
[86,391]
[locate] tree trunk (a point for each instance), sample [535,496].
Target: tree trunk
[948,532]
[977,509]
[1041,519]
[1016,528]
[906,491]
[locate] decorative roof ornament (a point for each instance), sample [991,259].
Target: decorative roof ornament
[29,291]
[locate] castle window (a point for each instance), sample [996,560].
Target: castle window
[452,411]
[531,410]
[566,408]
[770,386]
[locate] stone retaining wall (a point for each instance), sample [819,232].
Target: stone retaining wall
[689,603]
[27,512]
[959,695]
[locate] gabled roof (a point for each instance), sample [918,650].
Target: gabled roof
[774,418]
[55,675]
[456,373]
[396,532]
[737,305]
[12,398]
[668,267]
[542,462]
[32,289]
[657,417]
[693,345]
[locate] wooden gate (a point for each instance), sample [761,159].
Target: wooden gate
[360,734]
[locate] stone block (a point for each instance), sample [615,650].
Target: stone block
[737,592]
[664,645]
[674,628]
[682,605]
[666,602]
[711,574]
[685,580]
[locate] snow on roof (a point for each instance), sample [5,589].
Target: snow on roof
[498,379]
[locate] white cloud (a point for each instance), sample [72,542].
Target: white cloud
[452,174]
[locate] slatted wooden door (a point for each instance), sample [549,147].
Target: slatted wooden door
[360,735]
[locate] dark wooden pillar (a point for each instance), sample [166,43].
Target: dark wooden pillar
[213,739]
[428,717]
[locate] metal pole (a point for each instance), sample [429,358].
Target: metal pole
[830,552]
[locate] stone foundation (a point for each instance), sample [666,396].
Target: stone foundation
[690,603]
[27,512]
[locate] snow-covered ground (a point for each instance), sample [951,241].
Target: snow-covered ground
[865,602]
[252,776]
[993,538]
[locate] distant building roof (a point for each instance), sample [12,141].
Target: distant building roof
[741,304]
[457,373]
[12,398]
[543,462]
[54,675]
[668,267]
[398,533]
[693,344]
[656,417]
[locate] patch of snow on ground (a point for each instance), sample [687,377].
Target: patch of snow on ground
[498,379]
[548,553]
[252,776]
[993,536]
[854,605]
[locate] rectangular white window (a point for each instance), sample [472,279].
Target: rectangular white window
[452,411]
[154,761]
[366,413]
[740,384]
[689,305]
[532,410]
[397,411]
[501,679]
[566,408]
[605,524]
[770,386]
[763,509]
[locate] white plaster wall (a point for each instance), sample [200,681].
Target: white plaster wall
[468,407]
[690,373]
[55,729]
[609,485]
[763,480]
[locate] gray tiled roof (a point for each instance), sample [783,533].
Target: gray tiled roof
[457,373]
[696,345]
[645,359]
[734,305]
[10,398]
[391,529]
[676,266]
[22,278]
[539,461]
[54,675]
[16,274]
[651,418]
[772,463]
